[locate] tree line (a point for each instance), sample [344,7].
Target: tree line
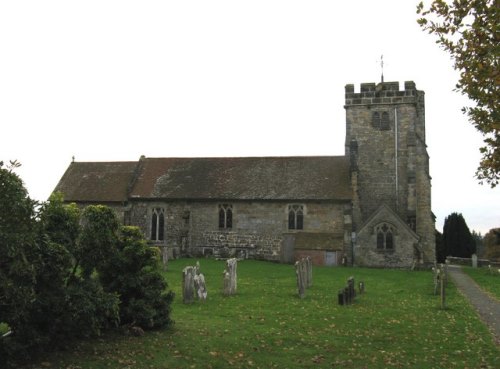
[457,240]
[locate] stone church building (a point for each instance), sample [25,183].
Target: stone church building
[370,207]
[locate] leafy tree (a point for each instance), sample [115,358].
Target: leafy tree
[492,244]
[468,30]
[17,237]
[98,239]
[36,301]
[134,272]
[457,239]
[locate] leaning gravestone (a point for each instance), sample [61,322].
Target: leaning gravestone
[303,272]
[230,277]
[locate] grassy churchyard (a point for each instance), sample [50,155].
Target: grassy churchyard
[396,323]
[487,278]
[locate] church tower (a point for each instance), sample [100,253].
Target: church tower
[385,140]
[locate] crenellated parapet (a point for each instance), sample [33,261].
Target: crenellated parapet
[382,93]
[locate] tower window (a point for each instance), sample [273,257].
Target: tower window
[295,216]
[158,224]
[225,216]
[376,120]
[381,121]
[385,124]
[385,237]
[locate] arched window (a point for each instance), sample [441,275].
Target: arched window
[157,224]
[225,216]
[385,236]
[295,216]
[380,240]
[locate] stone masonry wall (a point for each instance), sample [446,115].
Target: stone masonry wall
[389,163]
[257,231]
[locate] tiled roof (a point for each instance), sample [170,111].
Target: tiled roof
[248,178]
[97,181]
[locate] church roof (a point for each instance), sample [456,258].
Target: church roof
[97,181]
[241,178]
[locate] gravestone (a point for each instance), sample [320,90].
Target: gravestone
[188,274]
[230,277]
[164,257]
[301,283]
[303,272]
[309,272]
[361,287]
[199,283]
[347,295]
[474,260]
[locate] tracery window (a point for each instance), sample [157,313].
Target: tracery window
[158,224]
[225,216]
[385,236]
[295,216]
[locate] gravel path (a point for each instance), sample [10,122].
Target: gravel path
[487,307]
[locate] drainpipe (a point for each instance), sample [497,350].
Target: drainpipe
[396,154]
[353,241]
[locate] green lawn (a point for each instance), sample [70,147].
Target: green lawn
[488,282]
[397,323]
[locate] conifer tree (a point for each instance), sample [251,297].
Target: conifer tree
[457,238]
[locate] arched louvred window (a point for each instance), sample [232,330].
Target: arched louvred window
[385,124]
[376,120]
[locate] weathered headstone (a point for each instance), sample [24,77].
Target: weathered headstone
[341,297]
[188,274]
[199,283]
[361,287]
[230,277]
[303,272]
[474,260]
[309,272]
[164,257]
[301,283]
[351,289]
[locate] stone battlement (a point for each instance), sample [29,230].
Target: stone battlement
[381,93]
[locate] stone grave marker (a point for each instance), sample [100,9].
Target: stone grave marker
[303,272]
[474,260]
[230,277]
[188,274]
